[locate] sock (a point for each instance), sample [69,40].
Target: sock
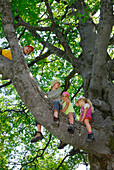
[55,118]
[90,132]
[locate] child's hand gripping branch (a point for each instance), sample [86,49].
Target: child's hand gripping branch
[85,117]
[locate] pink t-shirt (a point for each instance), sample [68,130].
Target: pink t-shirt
[88,114]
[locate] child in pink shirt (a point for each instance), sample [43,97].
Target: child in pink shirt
[86,117]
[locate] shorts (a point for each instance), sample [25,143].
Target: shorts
[89,118]
[57,106]
[74,115]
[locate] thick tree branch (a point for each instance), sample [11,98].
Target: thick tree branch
[99,73]
[68,55]
[60,35]
[30,64]
[55,50]
[45,55]
[22,23]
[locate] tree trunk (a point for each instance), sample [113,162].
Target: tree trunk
[100,163]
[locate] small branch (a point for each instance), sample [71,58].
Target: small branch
[67,79]
[64,16]
[10,110]
[62,161]
[86,163]
[22,33]
[72,153]
[6,84]
[59,35]
[49,11]
[51,47]
[37,156]
[111,41]
[39,58]
[77,91]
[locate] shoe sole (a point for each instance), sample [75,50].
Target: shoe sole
[70,131]
[62,146]
[90,140]
[55,125]
[35,140]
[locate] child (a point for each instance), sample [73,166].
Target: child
[7,52]
[68,110]
[85,117]
[54,95]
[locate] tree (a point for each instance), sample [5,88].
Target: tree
[60,24]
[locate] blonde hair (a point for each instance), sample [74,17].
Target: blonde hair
[90,103]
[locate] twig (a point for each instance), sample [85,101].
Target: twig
[62,161]
[6,84]
[37,156]
[77,92]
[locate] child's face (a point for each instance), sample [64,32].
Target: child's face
[81,102]
[64,97]
[27,50]
[56,85]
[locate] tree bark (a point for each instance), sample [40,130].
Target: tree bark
[39,105]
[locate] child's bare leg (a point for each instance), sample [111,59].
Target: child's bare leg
[71,122]
[55,113]
[90,137]
[88,126]
[55,119]
[39,127]
[71,118]
[38,135]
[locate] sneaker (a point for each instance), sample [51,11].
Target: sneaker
[74,151]
[61,145]
[71,129]
[55,124]
[38,136]
[90,137]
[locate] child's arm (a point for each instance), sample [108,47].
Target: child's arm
[65,108]
[84,114]
[54,93]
